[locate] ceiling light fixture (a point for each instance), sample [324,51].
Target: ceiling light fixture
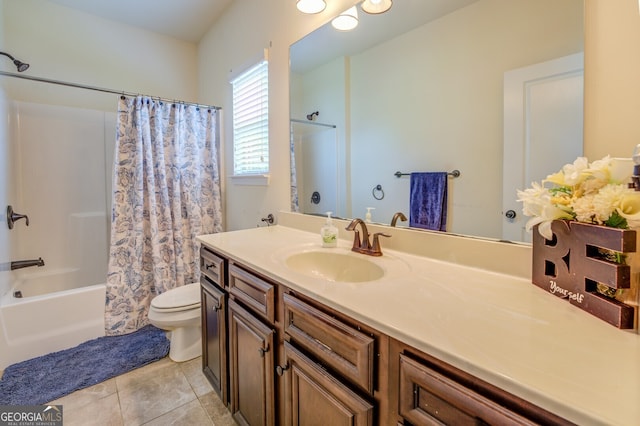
[347,20]
[376,6]
[311,6]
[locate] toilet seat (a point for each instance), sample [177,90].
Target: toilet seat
[182,298]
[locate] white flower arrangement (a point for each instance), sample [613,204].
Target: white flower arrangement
[595,193]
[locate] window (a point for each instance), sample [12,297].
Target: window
[251,121]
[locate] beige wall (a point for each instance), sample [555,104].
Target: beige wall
[65,44]
[247,27]
[612,78]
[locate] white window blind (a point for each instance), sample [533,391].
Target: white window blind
[251,121]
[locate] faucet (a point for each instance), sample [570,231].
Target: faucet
[19,264]
[362,245]
[398,215]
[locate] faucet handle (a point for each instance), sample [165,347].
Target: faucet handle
[375,249]
[13,217]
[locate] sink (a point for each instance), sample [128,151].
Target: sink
[332,266]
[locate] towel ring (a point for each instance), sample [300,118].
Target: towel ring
[377,192]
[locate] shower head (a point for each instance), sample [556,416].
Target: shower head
[21,66]
[312,115]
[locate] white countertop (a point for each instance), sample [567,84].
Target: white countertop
[497,327]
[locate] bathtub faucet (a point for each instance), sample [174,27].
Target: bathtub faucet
[19,264]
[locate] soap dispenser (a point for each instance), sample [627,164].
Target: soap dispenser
[367,217]
[329,233]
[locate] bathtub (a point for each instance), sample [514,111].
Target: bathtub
[54,313]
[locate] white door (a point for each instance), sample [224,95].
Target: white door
[543,121]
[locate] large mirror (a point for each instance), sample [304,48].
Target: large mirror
[437,86]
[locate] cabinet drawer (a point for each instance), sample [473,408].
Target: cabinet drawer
[254,292]
[334,343]
[212,266]
[428,397]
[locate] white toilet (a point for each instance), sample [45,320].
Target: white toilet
[178,311]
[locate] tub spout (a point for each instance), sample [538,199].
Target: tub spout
[19,264]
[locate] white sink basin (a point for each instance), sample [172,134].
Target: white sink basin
[332,266]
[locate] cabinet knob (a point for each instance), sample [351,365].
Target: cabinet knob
[510,214]
[263,351]
[280,369]
[217,307]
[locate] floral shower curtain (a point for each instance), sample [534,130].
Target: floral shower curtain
[294,177]
[166,191]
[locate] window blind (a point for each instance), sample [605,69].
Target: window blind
[251,121]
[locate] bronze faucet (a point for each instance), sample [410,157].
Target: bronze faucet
[362,245]
[398,215]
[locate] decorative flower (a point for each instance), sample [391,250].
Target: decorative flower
[592,193]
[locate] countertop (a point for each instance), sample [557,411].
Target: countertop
[497,327]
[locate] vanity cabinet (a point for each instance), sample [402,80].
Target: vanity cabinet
[294,361]
[252,347]
[329,366]
[214,321]
[431,392]
[314,396]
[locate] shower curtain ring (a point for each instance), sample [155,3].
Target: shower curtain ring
[377,192]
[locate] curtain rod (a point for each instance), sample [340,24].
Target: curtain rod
[100,89]
[313,123]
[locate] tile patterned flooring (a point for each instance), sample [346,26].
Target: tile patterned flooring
[161,393]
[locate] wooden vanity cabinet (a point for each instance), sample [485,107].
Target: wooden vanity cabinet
[252,348]
[294,361]
[214,322]
[214,332]
[431,392]
[315,396]
[331,366]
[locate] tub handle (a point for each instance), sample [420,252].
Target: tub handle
[13,217]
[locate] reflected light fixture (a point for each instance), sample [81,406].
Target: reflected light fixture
[347,20]
[311,6]
[376,6]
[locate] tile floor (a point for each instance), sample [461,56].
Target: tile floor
[161,393]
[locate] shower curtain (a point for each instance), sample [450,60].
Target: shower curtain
[294,177]
[166,191]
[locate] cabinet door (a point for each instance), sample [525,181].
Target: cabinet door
[214,342]
[251,367]
[313,397]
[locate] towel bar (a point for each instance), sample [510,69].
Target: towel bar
[454,174]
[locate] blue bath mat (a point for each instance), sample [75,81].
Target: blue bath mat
[49,377]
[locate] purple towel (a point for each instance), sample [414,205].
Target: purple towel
[428,201]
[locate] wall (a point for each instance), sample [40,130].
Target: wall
[612,86]
[247,27]
[61,43]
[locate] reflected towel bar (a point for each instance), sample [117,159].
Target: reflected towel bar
[454,174]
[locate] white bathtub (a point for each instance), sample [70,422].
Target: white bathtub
[54,313]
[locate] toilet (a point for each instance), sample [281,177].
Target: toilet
[178,311]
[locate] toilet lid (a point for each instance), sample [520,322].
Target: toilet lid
[185,297]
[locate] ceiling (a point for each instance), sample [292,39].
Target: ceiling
[187,20]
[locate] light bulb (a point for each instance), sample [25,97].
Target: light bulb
[376,6]
[311,6]
[347,20]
